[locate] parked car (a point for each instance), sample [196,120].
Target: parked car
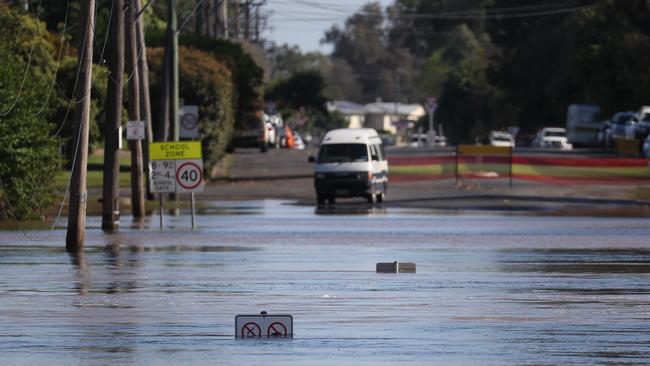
[500,138]
[552,137]
[417,140]
[640,127]
[614,128]
[645,147]
[439,141]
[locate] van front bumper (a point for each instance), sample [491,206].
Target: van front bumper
[345,185]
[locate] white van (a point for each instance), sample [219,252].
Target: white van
[351,163]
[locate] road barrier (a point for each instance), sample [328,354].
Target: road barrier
[481,163]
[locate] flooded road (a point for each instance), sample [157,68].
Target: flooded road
[489,289]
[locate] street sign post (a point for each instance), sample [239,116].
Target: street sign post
[135,130]
[189,117]
[431,108]
[263,326]
[176,167]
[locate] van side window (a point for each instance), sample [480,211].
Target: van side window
[380,152]
[374,153]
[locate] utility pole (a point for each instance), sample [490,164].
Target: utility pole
[201,12]
[163,125]
[111,187]
[76,231]
[145,101]
[173,43]
[221,19]
[236,6]
[247,20]
[137,179]
[206,6]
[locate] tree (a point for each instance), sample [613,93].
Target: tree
[29,155]
[207,82]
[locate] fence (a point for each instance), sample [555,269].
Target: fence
[490,162]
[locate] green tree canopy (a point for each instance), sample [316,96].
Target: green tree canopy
[29,154]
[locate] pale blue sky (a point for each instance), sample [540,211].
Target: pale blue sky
[303,22]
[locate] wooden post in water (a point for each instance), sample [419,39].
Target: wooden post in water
[76,230]
[137,178]
[111,170]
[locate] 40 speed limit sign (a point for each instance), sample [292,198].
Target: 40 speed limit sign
[175,167]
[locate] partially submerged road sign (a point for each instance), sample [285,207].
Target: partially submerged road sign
[395,267]
[175,166]
[264,326]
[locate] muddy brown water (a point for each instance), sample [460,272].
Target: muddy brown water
[489,289]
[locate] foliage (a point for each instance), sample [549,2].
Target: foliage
[28,153]
[383,69]
[247,76]
[206,82]
[64,108]
[301,90]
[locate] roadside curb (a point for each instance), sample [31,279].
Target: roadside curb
[262,178]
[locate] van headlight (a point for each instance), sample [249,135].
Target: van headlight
[364,175]
[320,176]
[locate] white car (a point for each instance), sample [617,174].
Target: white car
[503,139]
[552,138]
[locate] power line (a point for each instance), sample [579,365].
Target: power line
[27,67]
[58,61]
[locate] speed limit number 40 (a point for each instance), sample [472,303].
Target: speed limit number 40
[189,175]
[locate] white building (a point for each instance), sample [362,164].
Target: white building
[354,113]
[386,116]
[380,116]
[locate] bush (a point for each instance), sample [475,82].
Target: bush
[206,82]
[247,76]
[29,156]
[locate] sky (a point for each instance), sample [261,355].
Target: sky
[303,22]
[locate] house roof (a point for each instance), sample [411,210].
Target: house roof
[350,108]
[346,108]
[392,108]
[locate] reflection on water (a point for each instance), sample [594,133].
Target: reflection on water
[489,290]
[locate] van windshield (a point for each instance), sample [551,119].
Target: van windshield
[342,153]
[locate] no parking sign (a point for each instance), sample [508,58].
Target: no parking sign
[263,326]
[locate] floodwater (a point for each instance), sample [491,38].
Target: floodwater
[489,289]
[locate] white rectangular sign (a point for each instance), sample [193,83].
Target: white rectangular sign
[135,130]
[162,176]
[264,326]
[180,176]
[189,118]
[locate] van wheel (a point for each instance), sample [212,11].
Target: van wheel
[320,200]
[372,198]
[381,197]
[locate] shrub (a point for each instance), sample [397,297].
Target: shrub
[206,82]
[29,156]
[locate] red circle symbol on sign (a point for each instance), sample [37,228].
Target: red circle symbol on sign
[251,330]
[276,330]
[189,175]
[189,121]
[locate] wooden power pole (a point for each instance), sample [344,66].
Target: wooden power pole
[137,178]
[76,231]
[145,101]
[111,185]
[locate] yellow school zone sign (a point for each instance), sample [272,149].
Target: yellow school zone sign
[178,150]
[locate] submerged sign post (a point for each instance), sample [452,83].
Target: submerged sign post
[263,326]
[176,167]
